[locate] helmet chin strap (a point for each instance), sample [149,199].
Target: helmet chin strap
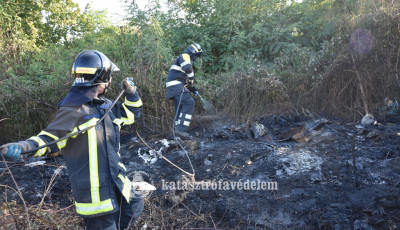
[107,88]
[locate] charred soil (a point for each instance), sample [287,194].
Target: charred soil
[280,172]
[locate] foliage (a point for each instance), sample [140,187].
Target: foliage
[29,93]
[260,57]
[34,57]
[248,45]
[46,22]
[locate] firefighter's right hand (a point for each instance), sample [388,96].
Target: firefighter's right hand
[190,82]
[128,85]
[12,150]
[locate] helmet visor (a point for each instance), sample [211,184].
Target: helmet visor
[114,68]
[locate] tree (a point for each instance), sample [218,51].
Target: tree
[42,22]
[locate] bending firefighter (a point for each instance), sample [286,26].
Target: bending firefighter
[179,84]
[100,186]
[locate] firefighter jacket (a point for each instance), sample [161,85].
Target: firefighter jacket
[180,71]
[93,158]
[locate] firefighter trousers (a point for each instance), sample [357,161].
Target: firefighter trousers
[125,216]
[184,109]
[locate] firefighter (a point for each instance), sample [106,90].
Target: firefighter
[179,84]
[98,178]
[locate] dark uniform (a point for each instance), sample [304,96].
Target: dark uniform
[101,188]
[97,175]
[180,75]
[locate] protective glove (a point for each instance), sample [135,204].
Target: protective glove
[13,150]
[190,82]
[128,85]
[192,89]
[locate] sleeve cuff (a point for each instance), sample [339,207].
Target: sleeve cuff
[132,96]
[33,143]
[133,99]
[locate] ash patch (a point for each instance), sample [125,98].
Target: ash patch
[291,162]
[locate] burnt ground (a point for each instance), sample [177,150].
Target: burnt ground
[311,161]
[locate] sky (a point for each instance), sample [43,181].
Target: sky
[115,8]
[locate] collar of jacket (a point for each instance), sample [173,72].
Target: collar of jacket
[192,57]
[187,51]
[79,96]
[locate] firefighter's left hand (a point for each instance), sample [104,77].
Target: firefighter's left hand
[128,85]
[192,89]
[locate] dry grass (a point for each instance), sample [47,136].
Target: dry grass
[44,215]
[248,95]
[17,213]
[363,72]
[159,214]
[357,83]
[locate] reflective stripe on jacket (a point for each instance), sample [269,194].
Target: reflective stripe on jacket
[93,159]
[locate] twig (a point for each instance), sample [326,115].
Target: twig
[72,205]
[223,168]
[62,184]
[37,98]
[353,153]
[5,108]
[212,220]
[44,182]
[166,159]
[7,118]
[363,95]
[45,220]
[49,187]
[11,212]
[387,155]
[19,191]
[397,59]
[193,212]
[145,125]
